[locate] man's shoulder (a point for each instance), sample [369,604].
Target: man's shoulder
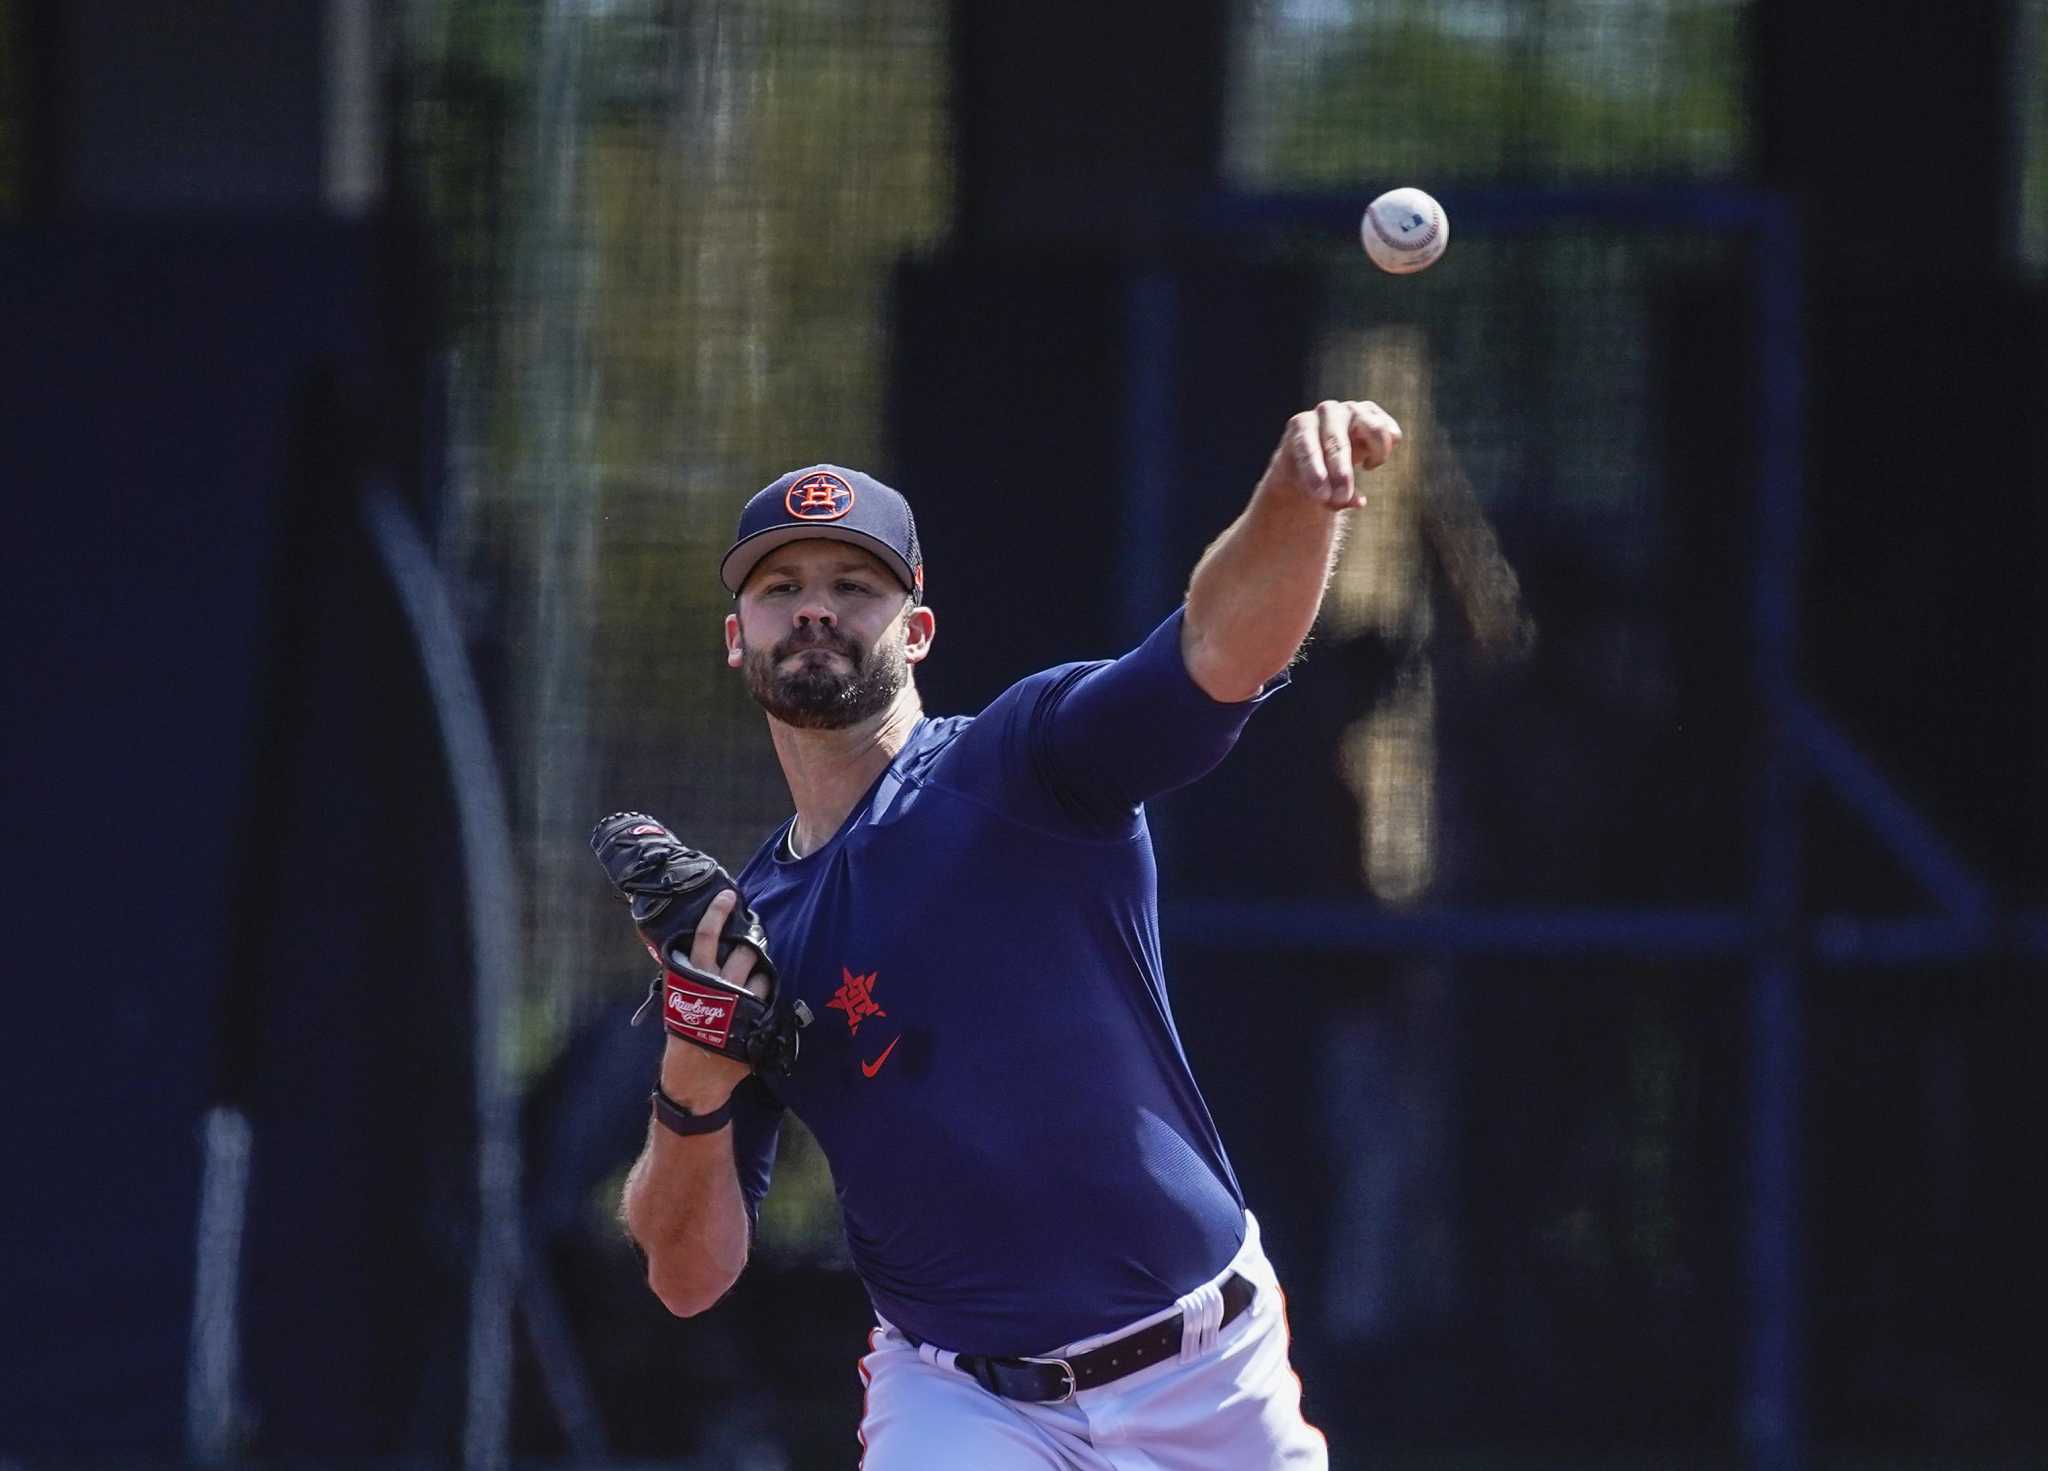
[1023,701]
[1033,695]
[976,750]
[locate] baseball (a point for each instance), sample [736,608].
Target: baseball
[1404,231]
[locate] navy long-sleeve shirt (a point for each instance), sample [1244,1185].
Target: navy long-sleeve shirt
[1021,1155]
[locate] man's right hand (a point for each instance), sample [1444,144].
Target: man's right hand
[699,1079]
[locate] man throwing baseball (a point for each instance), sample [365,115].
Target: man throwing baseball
[954,978]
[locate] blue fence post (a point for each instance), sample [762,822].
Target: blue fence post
[1773,1407]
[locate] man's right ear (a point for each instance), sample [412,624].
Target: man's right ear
[735,651]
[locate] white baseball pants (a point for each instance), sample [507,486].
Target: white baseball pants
[1230,1402]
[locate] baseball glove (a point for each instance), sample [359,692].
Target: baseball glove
[670,886]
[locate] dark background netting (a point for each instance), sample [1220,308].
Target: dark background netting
[1464,939]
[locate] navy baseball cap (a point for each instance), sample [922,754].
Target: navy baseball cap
[827,503]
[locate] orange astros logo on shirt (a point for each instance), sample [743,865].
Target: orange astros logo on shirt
[819,497]
[856,997]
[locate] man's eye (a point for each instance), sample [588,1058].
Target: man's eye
[854,587]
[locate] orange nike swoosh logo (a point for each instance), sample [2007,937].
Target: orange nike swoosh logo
[869,1069]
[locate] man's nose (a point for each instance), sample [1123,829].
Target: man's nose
[815,610]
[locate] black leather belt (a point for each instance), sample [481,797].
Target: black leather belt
[1049,1381]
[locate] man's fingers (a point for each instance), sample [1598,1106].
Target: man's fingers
[1326,448]
[1303,448]
[1334,434]
[739,966]
[704,943]
[1373,433]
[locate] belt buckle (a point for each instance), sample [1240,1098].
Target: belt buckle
[1064,1367]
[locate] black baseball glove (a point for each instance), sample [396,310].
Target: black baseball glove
[670,886]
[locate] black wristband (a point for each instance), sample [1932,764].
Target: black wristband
[680,1120]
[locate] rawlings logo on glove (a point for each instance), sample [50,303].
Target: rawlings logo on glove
[706,1019]
[669,887]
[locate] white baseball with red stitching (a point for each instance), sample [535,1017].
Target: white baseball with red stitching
[1405,231]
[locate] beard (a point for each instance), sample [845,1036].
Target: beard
[816,695]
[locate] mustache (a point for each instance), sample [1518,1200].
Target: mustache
[816,636]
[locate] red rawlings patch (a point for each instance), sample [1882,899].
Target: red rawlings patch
[695,1011]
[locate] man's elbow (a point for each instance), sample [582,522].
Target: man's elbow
[687,1293]
[689,1283]
[684,1300]
[1231,671]
[1227,679]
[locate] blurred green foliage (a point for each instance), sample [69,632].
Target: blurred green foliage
[1398,90]
[729,186]
[2030,71]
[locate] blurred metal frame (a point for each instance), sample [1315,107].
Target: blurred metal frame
[491,896]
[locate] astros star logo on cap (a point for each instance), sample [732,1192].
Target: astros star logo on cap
[819,497]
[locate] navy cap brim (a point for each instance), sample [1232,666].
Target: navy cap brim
[746,554]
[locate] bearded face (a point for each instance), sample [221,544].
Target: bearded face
[819,679]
